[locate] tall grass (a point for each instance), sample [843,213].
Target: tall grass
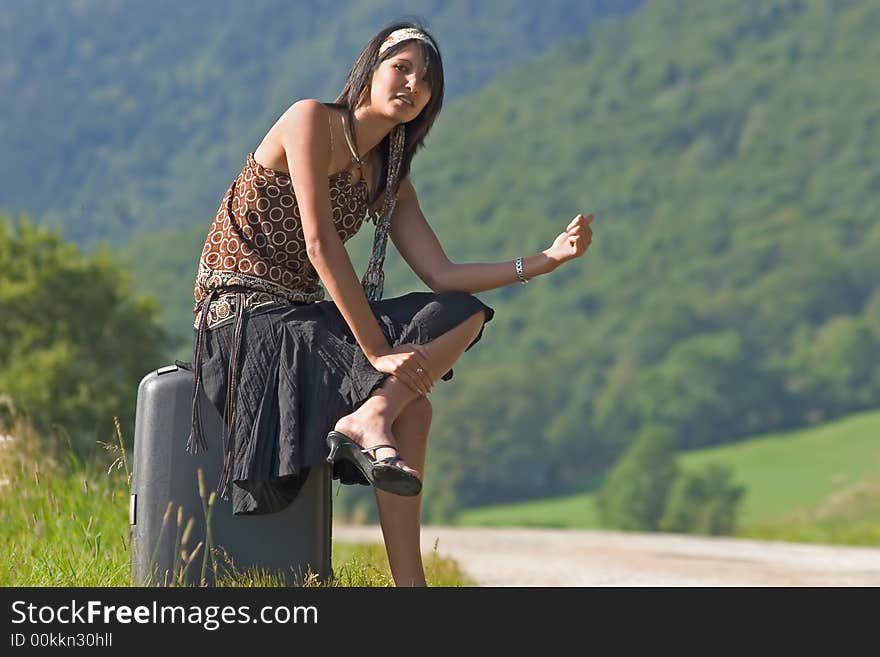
[64,522]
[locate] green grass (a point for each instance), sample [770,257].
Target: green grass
[819,484]
[65,523]
[799,471]
[571,511]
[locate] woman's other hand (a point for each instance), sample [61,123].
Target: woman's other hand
[409,363]
[573,242]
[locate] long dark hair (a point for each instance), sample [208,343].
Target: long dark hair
[357,89]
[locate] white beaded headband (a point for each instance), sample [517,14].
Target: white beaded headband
[404,34]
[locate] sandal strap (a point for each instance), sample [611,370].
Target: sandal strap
[374,447]
[388,460]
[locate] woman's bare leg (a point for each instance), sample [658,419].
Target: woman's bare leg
[400,516]
[375,423]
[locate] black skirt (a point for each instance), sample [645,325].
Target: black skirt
[300,370]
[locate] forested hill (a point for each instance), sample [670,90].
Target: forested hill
[121,115]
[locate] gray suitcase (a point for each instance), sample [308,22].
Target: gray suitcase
[291,543]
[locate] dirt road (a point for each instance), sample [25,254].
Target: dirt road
[568,557]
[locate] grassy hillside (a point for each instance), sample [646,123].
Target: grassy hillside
[798,471]
[819,484]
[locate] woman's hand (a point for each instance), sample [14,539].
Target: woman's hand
[572,243]
[409,363]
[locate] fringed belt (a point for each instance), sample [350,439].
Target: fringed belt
[196,442]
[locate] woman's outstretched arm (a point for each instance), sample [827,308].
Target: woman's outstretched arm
[420,248]
[476,277]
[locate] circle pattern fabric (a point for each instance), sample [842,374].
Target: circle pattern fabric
[257,238]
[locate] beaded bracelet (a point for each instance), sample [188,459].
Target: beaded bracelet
[519,271]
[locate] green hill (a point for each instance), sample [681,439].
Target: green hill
[818,484]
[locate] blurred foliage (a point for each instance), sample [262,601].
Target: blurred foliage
[74,341]
[131,116]
[647,490]
[703,502]
[634,495]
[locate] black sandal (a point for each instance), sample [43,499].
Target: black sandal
[382,474]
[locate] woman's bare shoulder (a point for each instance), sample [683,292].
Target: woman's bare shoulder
[305,113]
[305,124]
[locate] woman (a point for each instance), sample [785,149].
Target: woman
[301,380]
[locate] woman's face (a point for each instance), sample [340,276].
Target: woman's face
[399,89]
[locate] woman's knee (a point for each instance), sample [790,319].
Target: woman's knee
[476,322]
[481,314]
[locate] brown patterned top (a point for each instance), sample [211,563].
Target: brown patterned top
[256,240]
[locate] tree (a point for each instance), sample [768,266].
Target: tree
[73,341]
[634,495]
[703,502]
